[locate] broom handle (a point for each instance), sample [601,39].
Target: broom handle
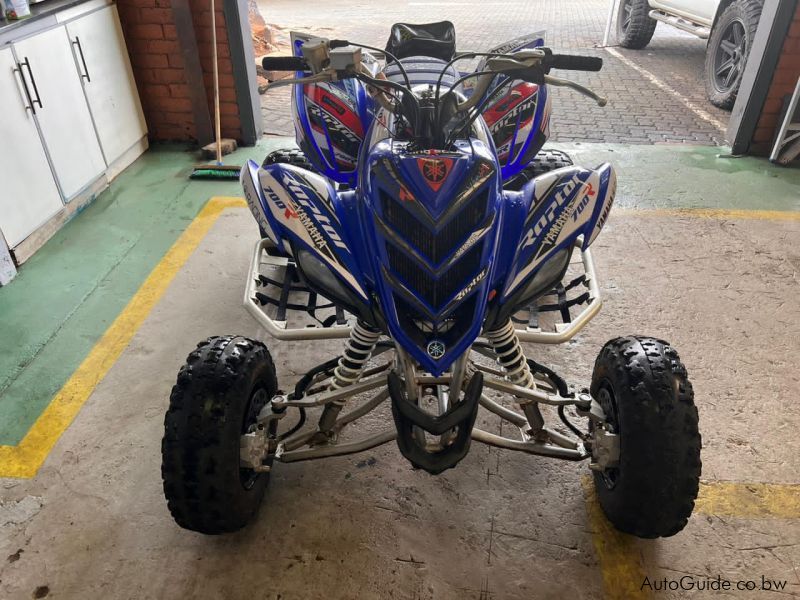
[217,128]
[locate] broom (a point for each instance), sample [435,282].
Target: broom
[216,171]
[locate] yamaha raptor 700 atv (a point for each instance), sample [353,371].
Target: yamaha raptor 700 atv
[422,222]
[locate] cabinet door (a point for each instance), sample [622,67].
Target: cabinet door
[63,116]
[108,80]
[28,192]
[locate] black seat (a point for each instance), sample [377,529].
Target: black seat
[436,40]
[421,70]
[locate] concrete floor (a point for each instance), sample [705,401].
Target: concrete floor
[722,288]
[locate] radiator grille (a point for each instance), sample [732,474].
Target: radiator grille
[418,278]
[435,246]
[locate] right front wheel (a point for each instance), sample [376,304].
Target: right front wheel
[648,401]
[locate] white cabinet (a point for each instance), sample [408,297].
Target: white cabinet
[61,109]
[70,119]
[104,67]
[28,193]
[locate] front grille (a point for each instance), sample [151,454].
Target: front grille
[435,292]
[436,246]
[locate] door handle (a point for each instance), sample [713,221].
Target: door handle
[38,100]
[29,106]
[85,74]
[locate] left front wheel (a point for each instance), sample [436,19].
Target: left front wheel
[220,390]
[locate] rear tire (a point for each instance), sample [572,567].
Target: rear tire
[288,156]
[635,28]
[548,160]
[220,391]
[648,400]
[544,162]
[285,156]
[728,51]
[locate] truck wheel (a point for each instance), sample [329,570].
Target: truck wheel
[544,162]
[728,49]
[635,28]
[643,389]
[220,390]
[288,156]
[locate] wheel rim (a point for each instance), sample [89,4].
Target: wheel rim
[258,399]
[609,405]
[625,16]
[730,56]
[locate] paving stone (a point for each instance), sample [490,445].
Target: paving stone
[638,112]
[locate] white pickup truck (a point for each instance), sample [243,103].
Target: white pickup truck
[728,25]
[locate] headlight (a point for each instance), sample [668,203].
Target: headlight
[546,277]
[323,281]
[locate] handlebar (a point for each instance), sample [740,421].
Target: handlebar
[321,64]
[284,63]
[572,63]
[534,65]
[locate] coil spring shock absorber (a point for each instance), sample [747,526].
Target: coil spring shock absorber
[357,351]
[510,356]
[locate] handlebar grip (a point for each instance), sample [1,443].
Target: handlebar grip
[574,63]
[284,63]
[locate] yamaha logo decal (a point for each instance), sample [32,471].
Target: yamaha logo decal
[435,170]
[436,349]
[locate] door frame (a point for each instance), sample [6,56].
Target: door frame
[776,18]
[243,57]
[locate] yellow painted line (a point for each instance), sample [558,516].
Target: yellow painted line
[24,459]
[620,556]
[749,500]
[620,560]
[713,213]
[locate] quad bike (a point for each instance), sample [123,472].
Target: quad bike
[422,222]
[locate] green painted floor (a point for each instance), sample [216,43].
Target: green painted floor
[69,292]
[67,295]
[682,176]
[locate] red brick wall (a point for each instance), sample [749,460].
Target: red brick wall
[158,67]
[783,82]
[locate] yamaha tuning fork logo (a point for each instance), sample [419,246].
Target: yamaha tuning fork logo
[436,349]
[435,170]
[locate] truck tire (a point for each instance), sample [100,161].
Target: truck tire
[728,50]
[644,391]
[635,28]
[219,393]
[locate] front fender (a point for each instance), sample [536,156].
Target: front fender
[299,211]
[563,205]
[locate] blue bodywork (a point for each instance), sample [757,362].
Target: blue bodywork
[328,147]
[435,277]
[427,244]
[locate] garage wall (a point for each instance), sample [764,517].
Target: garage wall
[783,83]
[161,72]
